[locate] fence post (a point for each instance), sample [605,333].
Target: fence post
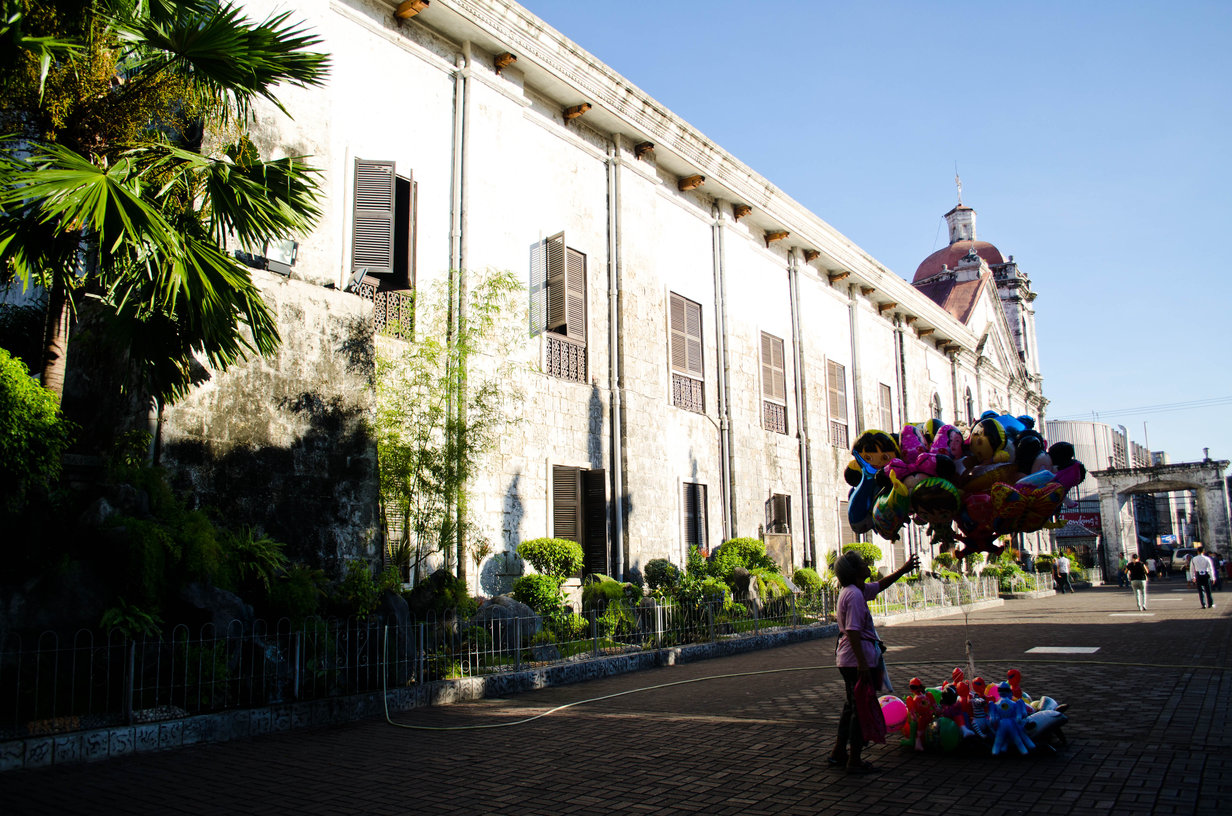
[793,610]
[517,644]
[756,626]
[594,629]
[710,619]
[129,680]
[296,653]
[420,657]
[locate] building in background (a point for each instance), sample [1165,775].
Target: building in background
[701,350]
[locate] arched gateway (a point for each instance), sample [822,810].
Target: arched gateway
[1205,478]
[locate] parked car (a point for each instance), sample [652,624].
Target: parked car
[1180,558]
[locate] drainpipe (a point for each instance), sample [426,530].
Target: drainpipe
[456,503]
[954,380]
[797,353]
[900,360]
[719,256]
[613,332]
[852,318]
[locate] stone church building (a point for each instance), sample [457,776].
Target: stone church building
[701,349]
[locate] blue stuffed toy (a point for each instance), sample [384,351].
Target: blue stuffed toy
[1006,719]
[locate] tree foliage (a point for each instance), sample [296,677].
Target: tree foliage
[443,400]
[33,435]
[108,187]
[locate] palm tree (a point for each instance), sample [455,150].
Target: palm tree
[126,168]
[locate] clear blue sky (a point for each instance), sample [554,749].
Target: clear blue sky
[1092,139]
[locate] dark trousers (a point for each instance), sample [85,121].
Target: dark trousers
[1063,582]
[1203,581]
[850,735]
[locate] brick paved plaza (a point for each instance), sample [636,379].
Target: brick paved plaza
[1150,732]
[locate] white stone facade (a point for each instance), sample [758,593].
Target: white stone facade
[498,168]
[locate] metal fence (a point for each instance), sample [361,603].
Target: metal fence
[52,685]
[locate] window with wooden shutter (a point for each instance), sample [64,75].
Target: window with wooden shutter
[936,405]
[558,306]
[555,259]
[846,535]
[594,527]
[694,504]
[773,384]
[688,377]
[886,411]
[836,378]
[778,514]
[372,230]
[566,503]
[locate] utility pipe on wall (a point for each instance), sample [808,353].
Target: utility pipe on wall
[719,259]
[615,361]
[797,351]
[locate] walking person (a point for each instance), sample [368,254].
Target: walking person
[1063,582]
[1137,572]
[1122,578]
[1201,573]
[858,651]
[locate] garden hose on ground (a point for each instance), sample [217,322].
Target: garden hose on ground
[388,719]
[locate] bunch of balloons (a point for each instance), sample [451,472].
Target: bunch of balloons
[996,718]
[1001,478]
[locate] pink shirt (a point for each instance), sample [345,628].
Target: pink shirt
[854,616]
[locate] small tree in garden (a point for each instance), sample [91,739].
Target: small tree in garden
[555,559]
[443,401]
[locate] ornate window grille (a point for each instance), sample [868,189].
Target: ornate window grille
[774,416]
[566,358]
[838,434]
[688,393]
[392,311]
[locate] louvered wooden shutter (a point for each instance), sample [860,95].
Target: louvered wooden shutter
[558,315]
[887,411]
[693,326]
[594,512]
[846,535]
[695,516]
[538,287]
[372,233]
[838,392]
[686,330]
[679,342]
[575,294]
[773,373]
[566,503]
[778,513]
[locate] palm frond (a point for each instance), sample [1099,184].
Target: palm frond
[225,55]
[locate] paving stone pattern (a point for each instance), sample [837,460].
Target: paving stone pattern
[1149,734]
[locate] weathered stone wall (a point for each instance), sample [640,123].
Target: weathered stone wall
[282,444]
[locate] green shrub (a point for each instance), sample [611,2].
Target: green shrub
[599,594]
[943,560]
[696,564]
[33,435]
[540,592]
[552,556]
[257,558]
[661,573]
[297,593]
[770,584]
[358,593]
[749,553]
[807,579]
[1044,562]
[868,551]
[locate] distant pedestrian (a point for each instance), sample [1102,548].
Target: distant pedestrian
[1201,574]
[1122,577]
[1218,560]
[1137,574]
[1063,582]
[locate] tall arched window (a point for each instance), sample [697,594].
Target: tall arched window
[936,405]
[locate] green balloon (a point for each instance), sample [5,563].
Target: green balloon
[948,735]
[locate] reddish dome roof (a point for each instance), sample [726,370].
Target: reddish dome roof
[951,255]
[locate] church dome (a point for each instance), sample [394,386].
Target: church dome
[951,255]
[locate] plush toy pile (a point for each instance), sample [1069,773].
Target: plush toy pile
[1001,478]
[997,718]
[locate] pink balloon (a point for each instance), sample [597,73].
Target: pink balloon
[894,710]
[991,692]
